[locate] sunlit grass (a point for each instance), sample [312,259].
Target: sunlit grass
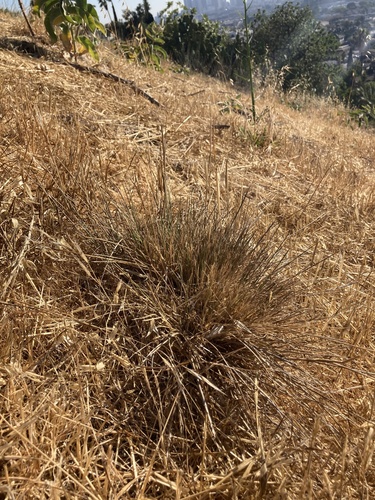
[187,311]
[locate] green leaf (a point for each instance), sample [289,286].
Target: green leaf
[73,15]
[98,26]
[159,41]
[36,10]
[92,11]
[38,3]
[90,22]
[89,46]
[161,52]
[155,59]
[66,14]
[93,24]
[53,18]
[101,28]
[57,21]
[48,5]
[38,7]
[82,5]
[48,23]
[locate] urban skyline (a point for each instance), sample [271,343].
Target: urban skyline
[215,7]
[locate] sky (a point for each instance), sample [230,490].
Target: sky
[120,5]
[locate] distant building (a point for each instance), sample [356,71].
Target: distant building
[236,4]
[207,6]
[216,7]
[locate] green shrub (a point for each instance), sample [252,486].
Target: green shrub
[146,46]
[201,44]
[295,44]
[69,20]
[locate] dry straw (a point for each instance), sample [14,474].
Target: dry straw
[187,300]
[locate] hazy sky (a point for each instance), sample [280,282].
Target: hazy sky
[156,5]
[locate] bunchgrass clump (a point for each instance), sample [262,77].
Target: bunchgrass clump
[206,346]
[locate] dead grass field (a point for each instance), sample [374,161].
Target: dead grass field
[187,299]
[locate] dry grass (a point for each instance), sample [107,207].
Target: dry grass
[187,309]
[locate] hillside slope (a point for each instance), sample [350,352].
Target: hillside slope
[187,299]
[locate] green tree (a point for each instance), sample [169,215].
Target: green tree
[190,41]
[202,44]
[133,22]
[358,89]
[294,44]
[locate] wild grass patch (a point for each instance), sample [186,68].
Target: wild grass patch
[154,342]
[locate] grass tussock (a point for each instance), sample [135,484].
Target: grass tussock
[187,299]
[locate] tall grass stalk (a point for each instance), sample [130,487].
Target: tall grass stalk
[246,8]
[21,6]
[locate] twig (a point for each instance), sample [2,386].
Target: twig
[117,78]
[32,47]
[25,17]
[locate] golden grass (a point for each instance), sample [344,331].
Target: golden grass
[187,309]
